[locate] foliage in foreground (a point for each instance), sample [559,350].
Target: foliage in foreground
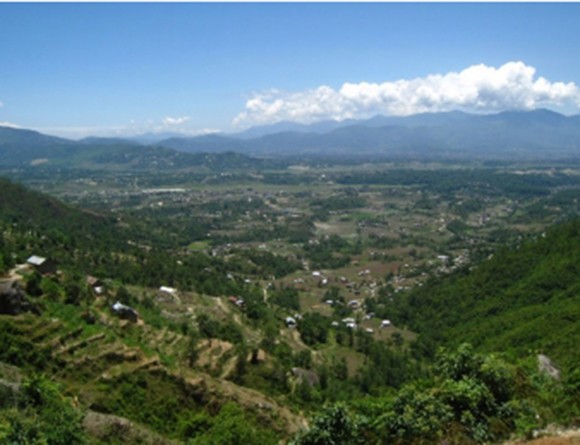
[40,414]
[473,398]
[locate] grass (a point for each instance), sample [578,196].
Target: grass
[199,246]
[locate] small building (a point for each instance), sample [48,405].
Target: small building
[385,323]
[354,304]
[291,322]
[168,290]
[233,299]
[443,258]
[93,281]
[95,284]
[125,312]
[42,265]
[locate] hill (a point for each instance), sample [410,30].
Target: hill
[23,148]
[526,298]
[193,366]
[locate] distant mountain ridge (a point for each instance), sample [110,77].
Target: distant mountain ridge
[537,134]
[20,148]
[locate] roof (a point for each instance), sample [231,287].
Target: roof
[36,260]
[169,290]
[92,281]
[118,306]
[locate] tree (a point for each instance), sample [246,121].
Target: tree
[44,416]
[233,427]
[334,426]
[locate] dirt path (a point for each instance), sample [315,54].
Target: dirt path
[13,274]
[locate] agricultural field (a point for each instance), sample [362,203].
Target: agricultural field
[283,289]
[346,240]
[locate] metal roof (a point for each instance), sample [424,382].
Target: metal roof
[36,260]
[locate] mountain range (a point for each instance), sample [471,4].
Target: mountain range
[512,134]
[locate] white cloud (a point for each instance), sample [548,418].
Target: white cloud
[1,104]
[478,88]
[9,125]
[171,121]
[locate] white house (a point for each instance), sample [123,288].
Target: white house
[385,323]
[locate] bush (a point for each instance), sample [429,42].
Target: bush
[44,416]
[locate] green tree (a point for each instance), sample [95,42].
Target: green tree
[333,426]
[45,416]
[233,427]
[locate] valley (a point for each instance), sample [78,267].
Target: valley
[277,287]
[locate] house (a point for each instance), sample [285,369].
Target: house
[168,290]
[233,299]
[443,258]
[95,284]
[93,281]
[125,312]
[42,265]
[354,304]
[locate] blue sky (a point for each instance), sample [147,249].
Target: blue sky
[79,69]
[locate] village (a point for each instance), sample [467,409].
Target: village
[343,252]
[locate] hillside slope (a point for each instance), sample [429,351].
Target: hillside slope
[526,298]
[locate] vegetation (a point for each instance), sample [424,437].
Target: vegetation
[373,300]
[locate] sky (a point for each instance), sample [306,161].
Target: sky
[120,69]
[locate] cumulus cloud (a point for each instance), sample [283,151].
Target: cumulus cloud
[478,88]
[171,121]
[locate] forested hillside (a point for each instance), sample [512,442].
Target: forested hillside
[524,299]
[215,360]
